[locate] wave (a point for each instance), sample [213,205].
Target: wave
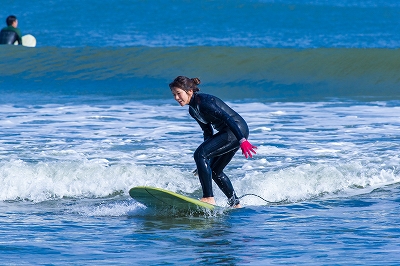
[44,181]
[230,72]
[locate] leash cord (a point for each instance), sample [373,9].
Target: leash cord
[250,194]
[270,202]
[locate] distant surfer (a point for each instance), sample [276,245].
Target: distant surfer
[11,33]
[218,149]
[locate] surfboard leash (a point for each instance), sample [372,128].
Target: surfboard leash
[251,194]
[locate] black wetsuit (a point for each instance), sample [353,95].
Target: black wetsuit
[9,35]
[217,150]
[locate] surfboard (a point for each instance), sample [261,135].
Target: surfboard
[161,198]
[28,41]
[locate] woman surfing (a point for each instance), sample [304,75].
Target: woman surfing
[219,147]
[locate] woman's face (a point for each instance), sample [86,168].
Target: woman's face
[181,96]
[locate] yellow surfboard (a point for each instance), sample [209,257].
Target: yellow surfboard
[161,198]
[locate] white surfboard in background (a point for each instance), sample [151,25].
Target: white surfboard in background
[28,41]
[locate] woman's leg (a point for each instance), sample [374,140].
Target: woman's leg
[216,147]
[217,165]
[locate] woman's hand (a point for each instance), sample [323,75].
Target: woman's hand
[247,148]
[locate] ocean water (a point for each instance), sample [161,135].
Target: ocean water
[87,114]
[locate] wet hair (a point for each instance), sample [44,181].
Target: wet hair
[10,20]
[185,83]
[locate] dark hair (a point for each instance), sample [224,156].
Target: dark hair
[10,20]
[185,83]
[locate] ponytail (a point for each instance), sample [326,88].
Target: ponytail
[196,81]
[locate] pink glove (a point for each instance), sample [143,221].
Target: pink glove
[247,148]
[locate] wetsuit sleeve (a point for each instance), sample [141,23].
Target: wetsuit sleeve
[19,36]
[219,114]
[207,128]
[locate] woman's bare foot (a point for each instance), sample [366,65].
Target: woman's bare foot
[237,206]
[209,200]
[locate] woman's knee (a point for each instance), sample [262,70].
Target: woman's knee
[199,155]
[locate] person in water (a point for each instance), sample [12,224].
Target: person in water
[11,33]
[217,150]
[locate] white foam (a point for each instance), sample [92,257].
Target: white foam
[54,151]
[109,209]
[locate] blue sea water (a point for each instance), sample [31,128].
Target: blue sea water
[87,114]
